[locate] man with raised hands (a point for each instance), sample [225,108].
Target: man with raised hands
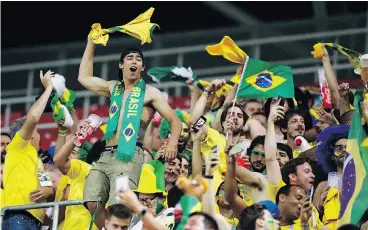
[132,106]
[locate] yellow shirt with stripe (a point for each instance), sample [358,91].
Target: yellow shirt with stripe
[77,216]
[20,174]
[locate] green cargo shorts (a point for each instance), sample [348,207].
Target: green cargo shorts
[100,182]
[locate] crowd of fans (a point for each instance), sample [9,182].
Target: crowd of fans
[255,163]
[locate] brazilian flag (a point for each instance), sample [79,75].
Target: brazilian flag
[266,80]
[353,197]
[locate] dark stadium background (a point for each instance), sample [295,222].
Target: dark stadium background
[40,23]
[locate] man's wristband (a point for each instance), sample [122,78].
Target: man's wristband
[62,133]
[142,213]
[208,92]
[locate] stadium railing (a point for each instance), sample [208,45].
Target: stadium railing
[54,205]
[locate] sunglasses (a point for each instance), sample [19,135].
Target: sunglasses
[339,149]
[258,153]
[145,201]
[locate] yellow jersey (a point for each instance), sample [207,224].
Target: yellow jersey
[77,216]
[21,174]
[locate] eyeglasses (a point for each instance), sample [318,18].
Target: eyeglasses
[146,201]
[258,153]
[339,149]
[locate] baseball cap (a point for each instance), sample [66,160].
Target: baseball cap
[271,207]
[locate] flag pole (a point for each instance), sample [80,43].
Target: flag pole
[237,90]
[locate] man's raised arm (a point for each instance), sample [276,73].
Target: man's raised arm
[36,110]
[272,165]
[163,108]
[85,76]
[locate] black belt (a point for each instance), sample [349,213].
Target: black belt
[110,148]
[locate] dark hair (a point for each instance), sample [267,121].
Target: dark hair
[178,156]
[259,140]
[301,98]
[186,157]
[226,109]
[125,53]
[290,167]
[209,222]
[249,215]
[288,116]
[173,196]
[6,134]
[163,160]
[285,148]
[346,117]
[218,189]
[267,105]
[284,190]
[120,211]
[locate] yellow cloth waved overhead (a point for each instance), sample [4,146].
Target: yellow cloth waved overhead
[229,50]
[140,28]
[216,102]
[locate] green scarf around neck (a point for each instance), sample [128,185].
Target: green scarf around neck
[131,121]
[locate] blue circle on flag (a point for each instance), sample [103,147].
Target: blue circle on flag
[264,80]
[113,109]
[128,132]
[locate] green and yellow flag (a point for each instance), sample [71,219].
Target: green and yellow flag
[141,28]
[353,197]
[352,55]
[266,80]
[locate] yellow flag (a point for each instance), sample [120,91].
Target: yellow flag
[97,34]
[216,102]
[229,50]
[140,28]
[235,79]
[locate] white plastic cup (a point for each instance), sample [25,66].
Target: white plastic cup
[90,125]
[333,180]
